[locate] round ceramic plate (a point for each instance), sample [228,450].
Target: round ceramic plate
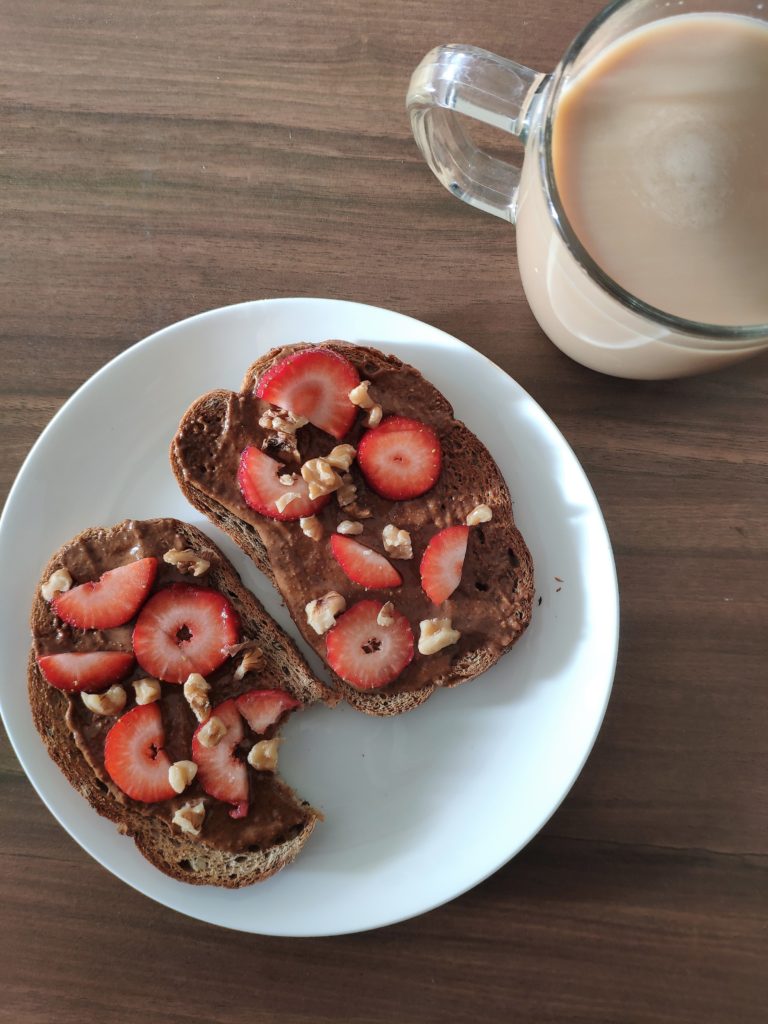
[417,808]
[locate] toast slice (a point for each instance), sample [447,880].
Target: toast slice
[226,853]
[492,606]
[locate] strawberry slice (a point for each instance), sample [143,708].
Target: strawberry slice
[264,708]
[314,383]
[362,565]
[85,671]
[365,654]
[257,477]
[134,755]
[184,629]
[221,774]
[400,458]
[442,563]
[111,600]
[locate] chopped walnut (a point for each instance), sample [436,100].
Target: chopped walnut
[187,561]
[263,755]
[281,421]
[386,614]
[359,396]
[341,457]
[322,612]
[287,479]
[110,702]
[397,543]
[311,527]
[347,493]
[212,733]
[479,514]
[321,477]
[253,659]
[359,513]
[196,691]
[285,500]
[346,527]
[180,774]
[373,419]
[147,690]
[281,446]
[190,818]
[57,583]
[436,634]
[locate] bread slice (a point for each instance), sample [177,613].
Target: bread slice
[204,455]
[193,860]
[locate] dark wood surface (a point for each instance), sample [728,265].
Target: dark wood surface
[158,159]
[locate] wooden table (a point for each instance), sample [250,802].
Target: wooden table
[159,159]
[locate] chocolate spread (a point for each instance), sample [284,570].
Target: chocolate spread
[487,608]
[274,814]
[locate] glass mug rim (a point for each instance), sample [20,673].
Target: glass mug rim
[725,334]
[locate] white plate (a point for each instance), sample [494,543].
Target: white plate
[419,808]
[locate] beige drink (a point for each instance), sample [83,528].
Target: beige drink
[660,154]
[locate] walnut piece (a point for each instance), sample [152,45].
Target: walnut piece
[347,493]
[285,500]
[479,514]
[190,818]
[111,702]
[341,457]
[281,421]
[281,446]
[212,733]
[322,612]
[321,477]
[346,527]
[311,527]
[436,634]
[373,419]
[187,561]
[386,614]
[196,691]
[57,583]
[263,755]
[180,774]
[397,543]
[253,659]
[359,396]
[147,690]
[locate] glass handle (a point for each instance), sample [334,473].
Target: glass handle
[467,80]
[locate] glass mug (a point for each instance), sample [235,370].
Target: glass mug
[579,306]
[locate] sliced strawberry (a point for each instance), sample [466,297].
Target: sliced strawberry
[366,654]
[184,629]
[111,600]
[362,565]
[221,774]
[257,477]
[442,563]
[85,671]
[264,708]
[314,383]
[134,755]
[400,458]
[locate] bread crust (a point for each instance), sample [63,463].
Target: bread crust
[468,448]
[189,860]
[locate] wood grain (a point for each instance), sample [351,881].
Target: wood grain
[161,159]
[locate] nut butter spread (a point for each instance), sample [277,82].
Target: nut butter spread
[486,608]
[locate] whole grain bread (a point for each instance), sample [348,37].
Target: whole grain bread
[187,859]
[469,473]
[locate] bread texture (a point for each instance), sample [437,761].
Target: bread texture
[191,860]
[469,473]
